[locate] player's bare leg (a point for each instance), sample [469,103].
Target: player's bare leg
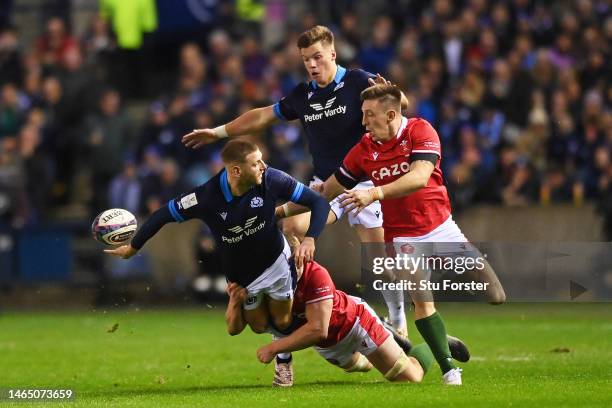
[391,361]
[358,364]
[257,318]
[494,294]
[280,312]
[393,298]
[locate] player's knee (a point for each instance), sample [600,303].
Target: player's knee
[282,322]
[497,296]
[258,328]
[404,370]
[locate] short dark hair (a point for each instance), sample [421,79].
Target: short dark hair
[314,35]
[386,94]
[236,150]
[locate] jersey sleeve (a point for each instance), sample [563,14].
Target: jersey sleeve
[350,173]
[283,185]
[319,285]
[187,205]
[286,109]
[425,142]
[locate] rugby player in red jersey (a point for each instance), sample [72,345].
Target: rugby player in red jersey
[402,158]
[343,329]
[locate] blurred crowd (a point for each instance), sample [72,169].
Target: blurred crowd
[518,91]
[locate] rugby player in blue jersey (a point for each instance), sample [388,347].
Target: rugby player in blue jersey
[238,206]
[329,109]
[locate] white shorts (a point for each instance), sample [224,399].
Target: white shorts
[366,335]
[276,282]
[370,217]
[446,239]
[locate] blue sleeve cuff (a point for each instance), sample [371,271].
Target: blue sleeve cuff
[174,212]
[297,192]
[277,111]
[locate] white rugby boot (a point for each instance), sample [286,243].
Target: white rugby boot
[452,377]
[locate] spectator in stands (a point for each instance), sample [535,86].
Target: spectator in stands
[108,137]
[125,189]
[51,47]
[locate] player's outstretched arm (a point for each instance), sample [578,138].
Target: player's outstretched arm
[314,331]
[416,179]
[233,314]
[252,121]
[153,224]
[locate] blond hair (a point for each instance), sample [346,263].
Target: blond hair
[386,94]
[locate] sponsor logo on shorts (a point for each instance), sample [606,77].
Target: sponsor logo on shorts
[251,300]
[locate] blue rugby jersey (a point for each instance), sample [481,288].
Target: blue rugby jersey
[331,116]
[244,227]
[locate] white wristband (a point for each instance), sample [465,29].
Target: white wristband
[220,132]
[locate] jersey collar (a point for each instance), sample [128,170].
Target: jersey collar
[340,72]
[402,127]
[225,187]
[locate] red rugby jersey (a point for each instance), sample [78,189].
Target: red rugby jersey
[415,214]
[316,285]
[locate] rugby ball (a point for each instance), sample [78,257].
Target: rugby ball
[114,227]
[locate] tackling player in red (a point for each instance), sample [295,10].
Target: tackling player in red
[343,329]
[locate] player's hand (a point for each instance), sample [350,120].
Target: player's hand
[237,293]
[305,252]
[124,251]
[356,200]
[266,353]
[379,80]
[199,137]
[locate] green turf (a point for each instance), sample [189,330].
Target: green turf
[184,358]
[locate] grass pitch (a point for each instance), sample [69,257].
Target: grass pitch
[523,355]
